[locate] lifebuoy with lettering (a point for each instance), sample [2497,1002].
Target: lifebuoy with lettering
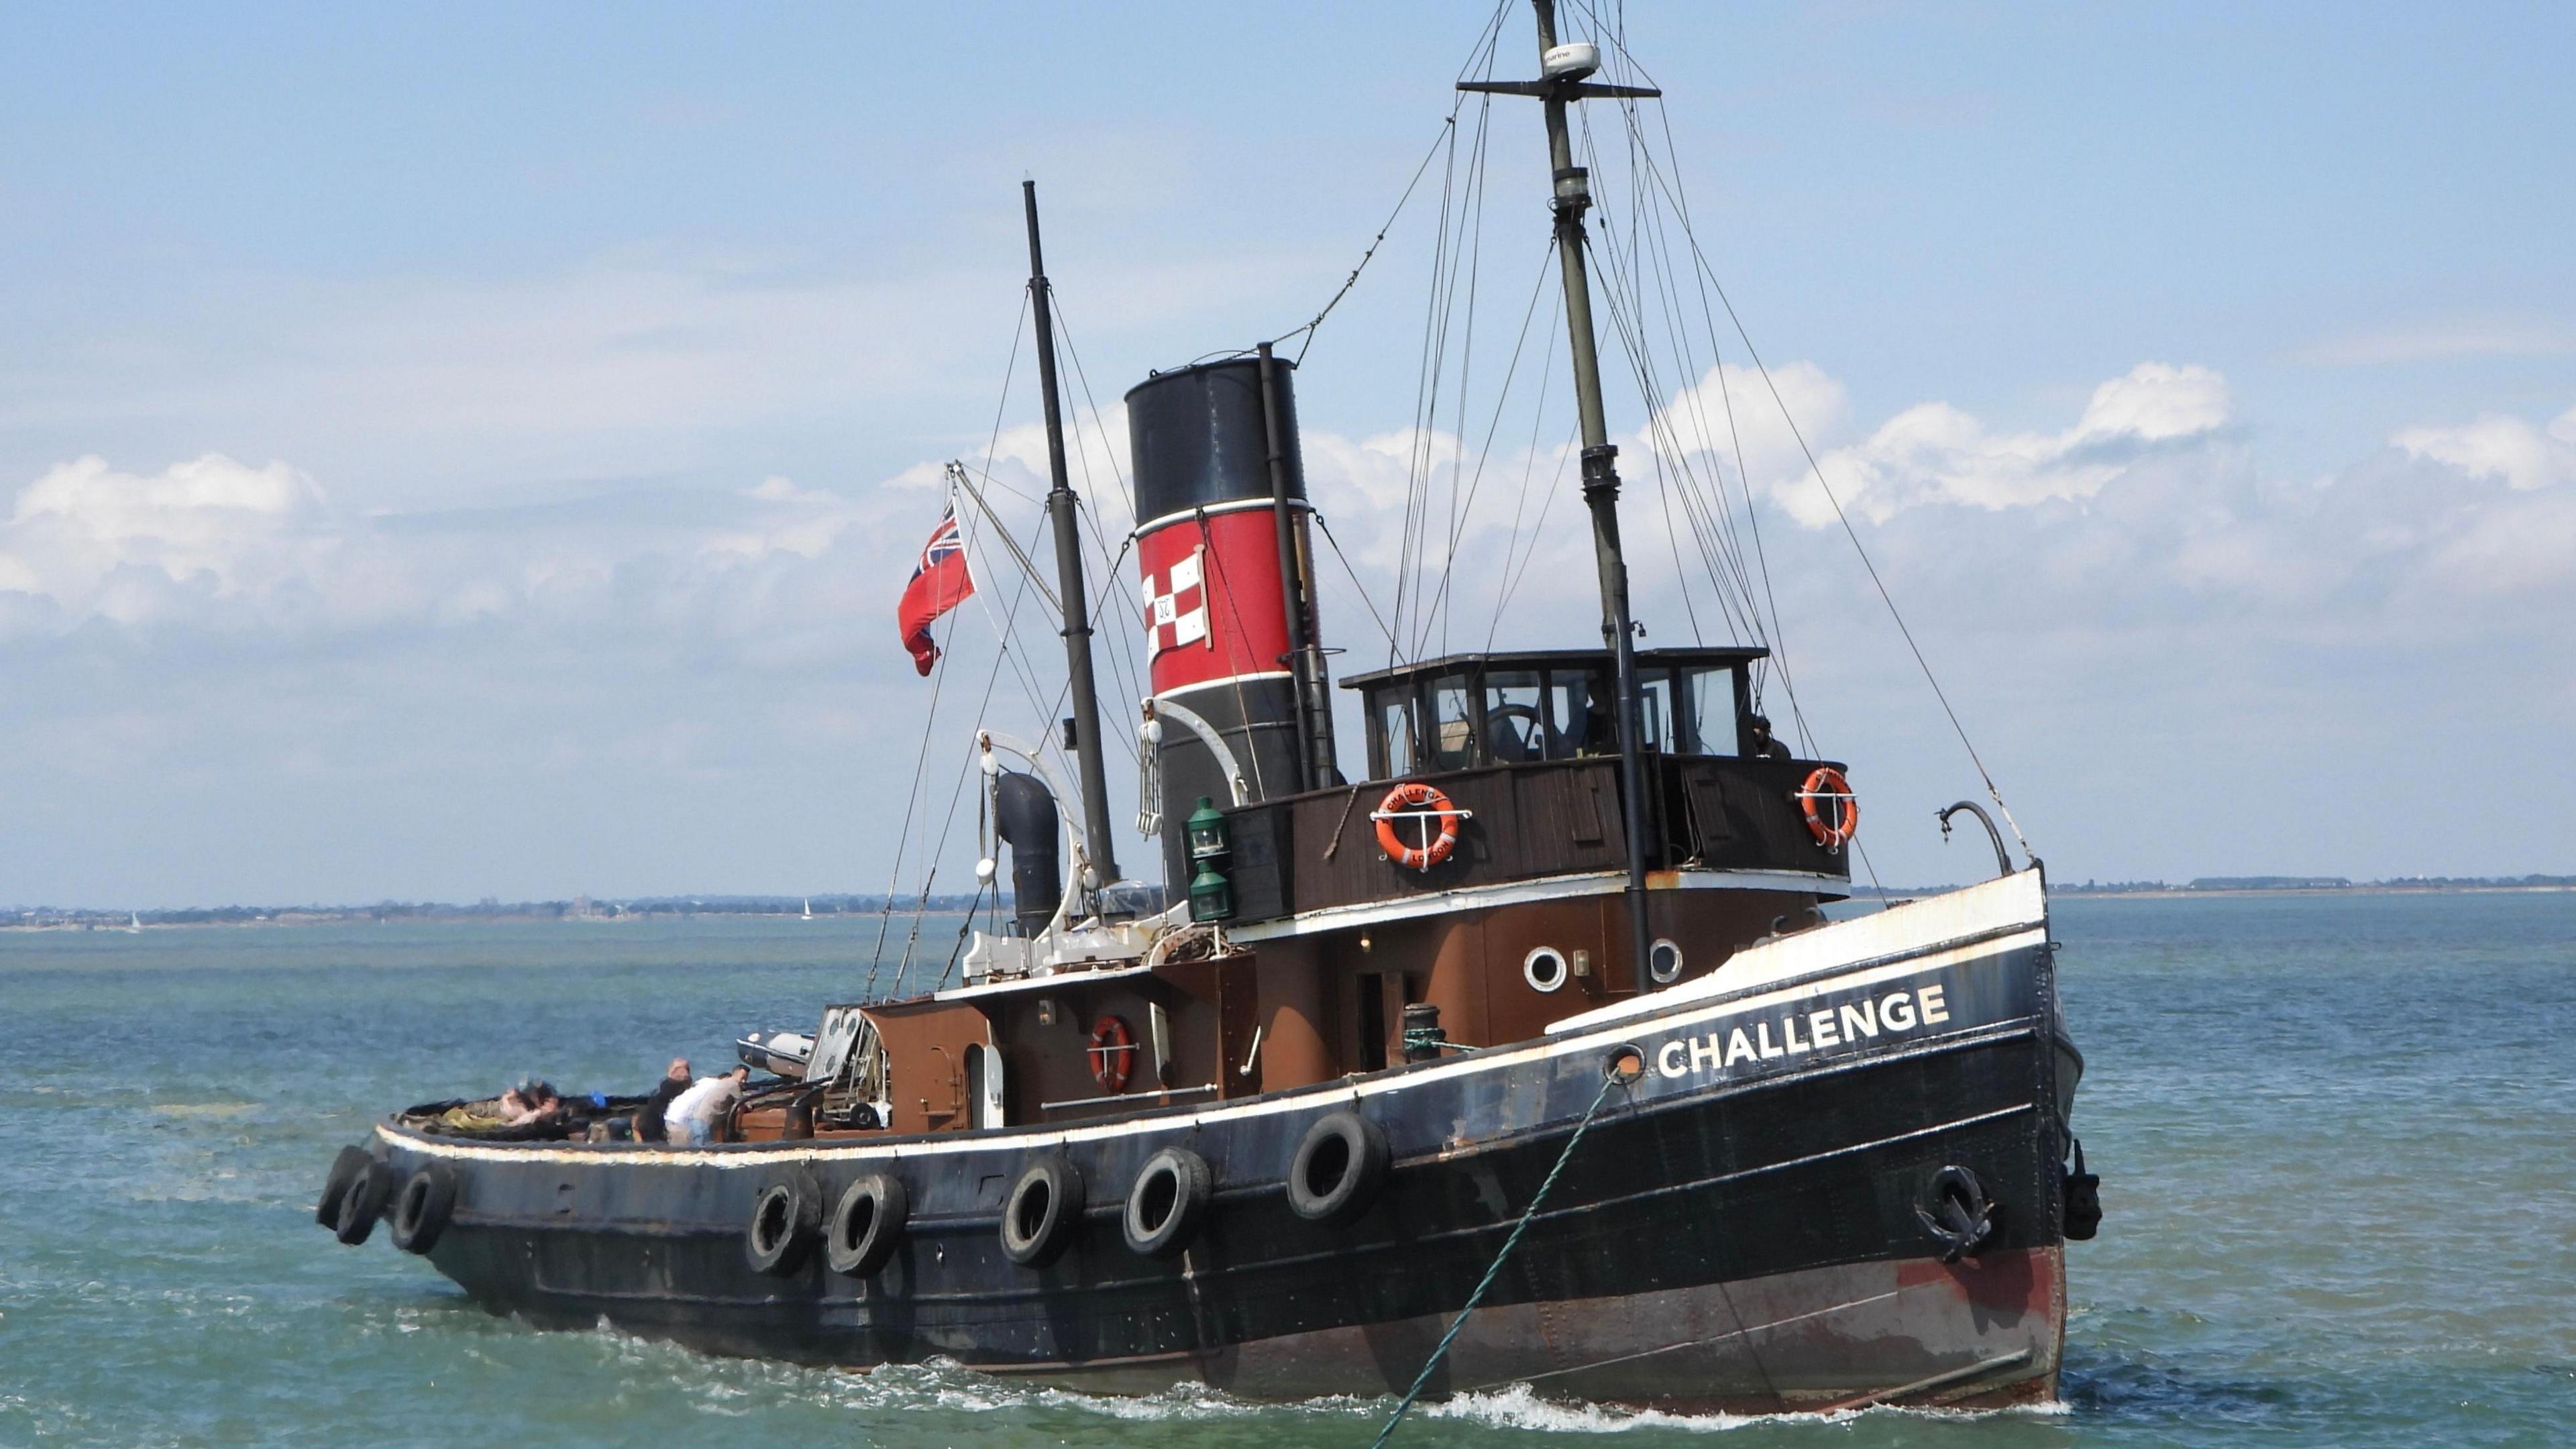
[1113,1054]
[1834,825]
[1416,801]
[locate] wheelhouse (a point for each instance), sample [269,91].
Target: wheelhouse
[1470,711]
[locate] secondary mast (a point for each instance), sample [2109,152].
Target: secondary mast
[1083,699]
[1563,69]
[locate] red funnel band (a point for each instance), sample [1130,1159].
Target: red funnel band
[1214,608]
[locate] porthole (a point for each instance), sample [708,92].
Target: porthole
[1544,969]
[1664,962]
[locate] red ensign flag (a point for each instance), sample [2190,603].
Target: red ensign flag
[939,583]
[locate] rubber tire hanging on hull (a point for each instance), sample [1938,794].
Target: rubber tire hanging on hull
[1044,1208]
[1956,1212]
[422,1207]
[1339,1169]
[2082,1196]
[1168,1202]
[344,1170]
[361,1203]
[784,1219]
[867,1224]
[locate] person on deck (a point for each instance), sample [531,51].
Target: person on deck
[535,1104]
[1759,744]
[693,1115]
[649,1117]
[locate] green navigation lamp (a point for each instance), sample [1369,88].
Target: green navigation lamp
[1211,844]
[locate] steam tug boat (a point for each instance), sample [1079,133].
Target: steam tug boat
[1271,1137]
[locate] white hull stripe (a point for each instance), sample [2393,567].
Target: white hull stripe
[766,1155]
[1553,888]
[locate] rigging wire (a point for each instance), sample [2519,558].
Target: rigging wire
[930,719]
[992,681]
[1485,42]
[1132,673]
[1538,530]
[1006,628]
[1520,1225]
[1357,587]
[1529,470]
[1440,301]
[1459,509]
[1815,469]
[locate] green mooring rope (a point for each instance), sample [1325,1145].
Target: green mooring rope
[1609,1079]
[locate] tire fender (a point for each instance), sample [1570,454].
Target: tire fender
[867,1224]
[1042,1212]
[344,1170]
[785,1216]
[1340,1168]
[1168,1203]
[362,1202]
[422,1207]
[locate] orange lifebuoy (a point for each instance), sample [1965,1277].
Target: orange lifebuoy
[1423,804]
[1113,1054]
[1827,784]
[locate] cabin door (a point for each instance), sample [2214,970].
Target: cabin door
[983,1087]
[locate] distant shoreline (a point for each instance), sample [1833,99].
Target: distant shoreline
[2169,893]
[583,911]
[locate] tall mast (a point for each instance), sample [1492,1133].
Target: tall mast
[1564,71]
[1084,700]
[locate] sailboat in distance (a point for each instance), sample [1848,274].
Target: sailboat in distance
[1513,1046]
[809,908]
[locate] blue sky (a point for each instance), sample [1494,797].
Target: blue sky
[474,450]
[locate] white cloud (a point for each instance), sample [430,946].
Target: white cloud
[133,548]
[1732,409]
[1935,453]
[215,546]
[2155,402]
[2497,446]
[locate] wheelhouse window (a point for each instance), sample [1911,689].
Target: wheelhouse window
[1393,728]
[1515,727]
[1478,713]
[1709,696]
[1453,723]
[1580,720]
[1655,705]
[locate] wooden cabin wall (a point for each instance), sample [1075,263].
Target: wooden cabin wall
[1310,999]
[1300,1025]
[925,1045]
[1470,964]
[1210,1009]
[1526,822]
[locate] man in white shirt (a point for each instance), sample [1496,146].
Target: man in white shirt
[694,1113]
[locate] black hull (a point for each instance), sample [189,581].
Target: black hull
[1743,1236]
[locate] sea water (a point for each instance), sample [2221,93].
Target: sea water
[2337,1137]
